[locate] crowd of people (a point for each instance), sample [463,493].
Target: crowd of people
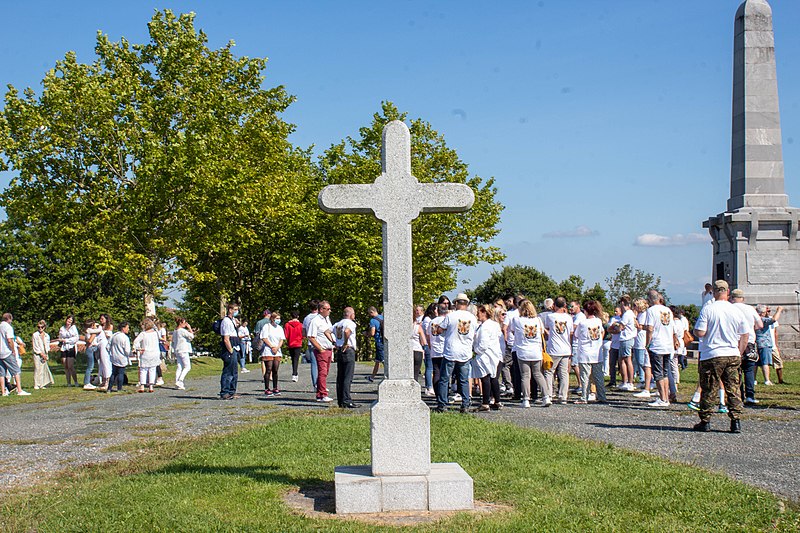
[504,351]
[110,351]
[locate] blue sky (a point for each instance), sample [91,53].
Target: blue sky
[601,121]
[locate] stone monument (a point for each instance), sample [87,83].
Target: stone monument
[755,241]
[401,477]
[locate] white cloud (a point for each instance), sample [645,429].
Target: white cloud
[679,239]
[579,231]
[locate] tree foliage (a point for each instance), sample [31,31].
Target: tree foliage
[168,163]
[634,282]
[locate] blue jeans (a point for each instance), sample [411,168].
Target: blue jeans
[448,368]
[749,381]
[428,368]
[309,358]
[87,376]
[242,358]
[230,374]
[639,359]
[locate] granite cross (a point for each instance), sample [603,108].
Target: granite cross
[397,198]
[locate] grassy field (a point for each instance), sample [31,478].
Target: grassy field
[235,482]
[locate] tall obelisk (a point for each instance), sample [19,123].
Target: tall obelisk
[756,240]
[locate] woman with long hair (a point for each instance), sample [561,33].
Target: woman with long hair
[528,340]
[488,349]
[418,342]
[68,340]
[273,336]
[589,337]
[182,339]
[147,345]
[427,318]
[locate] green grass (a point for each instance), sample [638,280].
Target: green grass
[60,393]
[235,482]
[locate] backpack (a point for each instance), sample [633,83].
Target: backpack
[216,326]
[379,318]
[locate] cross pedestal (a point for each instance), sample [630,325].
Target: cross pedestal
[401,476]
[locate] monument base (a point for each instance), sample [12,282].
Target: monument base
[446,488]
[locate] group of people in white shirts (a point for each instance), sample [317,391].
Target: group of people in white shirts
[112,350]
[515,351]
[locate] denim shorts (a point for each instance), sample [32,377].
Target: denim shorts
[379,353]
[625,348]
[660,365]
[765,356]
[9,364]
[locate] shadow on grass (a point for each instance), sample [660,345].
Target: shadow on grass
[321,492]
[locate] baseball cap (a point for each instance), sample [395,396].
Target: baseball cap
[737,293]
[721,285]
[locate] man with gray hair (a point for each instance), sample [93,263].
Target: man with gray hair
[660,341]
[724,330]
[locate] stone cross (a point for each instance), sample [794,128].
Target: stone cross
[397,198]
[401,476]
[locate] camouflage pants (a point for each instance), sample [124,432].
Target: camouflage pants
[712,371]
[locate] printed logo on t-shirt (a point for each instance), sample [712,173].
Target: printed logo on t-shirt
[594,333]
[561,327]
[463,327]
[436,330]
[339,332]
[530,330]
[665,318]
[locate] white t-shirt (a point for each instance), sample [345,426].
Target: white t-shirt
[316,329]
[629,326]
[640,343]
[488,349]
[723,324]
[509,331]
[752,317]
[273,335]
[614,336]
[459,332]
[182,340]
[559,329]
[120,350]
[660,317]
[8,344]
[416,341]
[707,297]
[68,337]
[589,340]
[306,321]
[679,329]
[436,341]
[338,333]
[527,337]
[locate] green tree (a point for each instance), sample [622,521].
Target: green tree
[517,279]
[156,162]
[634,282]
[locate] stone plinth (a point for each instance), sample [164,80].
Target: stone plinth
[447,487]
[400,430]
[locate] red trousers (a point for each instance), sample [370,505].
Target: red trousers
[324,359]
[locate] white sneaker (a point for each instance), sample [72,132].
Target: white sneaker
[294,378]
[429,392]
[525,404]
[89,386]
[160,381]
[456,397]
[245,371]
[23,393]
[643,394]
[628,387]
[592,397]
[547,402]
[5,393]
[658,403]
[326,399]
[768,382]
[180,385]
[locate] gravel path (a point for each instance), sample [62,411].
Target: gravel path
[38,439]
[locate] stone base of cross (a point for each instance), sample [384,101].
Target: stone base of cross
[401,477]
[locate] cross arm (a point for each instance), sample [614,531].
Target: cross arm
[348,198]
[447,197]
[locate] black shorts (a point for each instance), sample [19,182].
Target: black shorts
[68,353]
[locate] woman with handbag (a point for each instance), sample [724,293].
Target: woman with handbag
[42,377]
[528,340]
